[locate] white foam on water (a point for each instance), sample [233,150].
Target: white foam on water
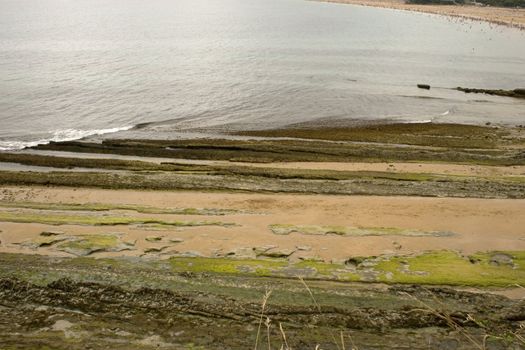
[59,136]
[425,121]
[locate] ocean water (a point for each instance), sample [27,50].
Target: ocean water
[75,68]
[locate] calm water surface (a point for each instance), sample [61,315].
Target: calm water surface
[73,68]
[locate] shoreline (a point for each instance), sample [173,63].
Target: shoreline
[182,233]
[509,17]
[396,159]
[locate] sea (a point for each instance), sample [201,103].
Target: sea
[71,69]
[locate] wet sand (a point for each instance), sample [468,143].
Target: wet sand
[395,167]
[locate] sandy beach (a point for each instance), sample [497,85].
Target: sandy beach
[504,16]
[475,224]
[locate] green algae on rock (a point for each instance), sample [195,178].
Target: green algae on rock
[106,303]
[83,245]
[95,220]
[450,268]
[431,268]
[79,245]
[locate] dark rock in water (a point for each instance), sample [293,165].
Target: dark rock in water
[517,93]
[423,86]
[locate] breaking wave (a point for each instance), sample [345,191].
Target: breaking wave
[59,136]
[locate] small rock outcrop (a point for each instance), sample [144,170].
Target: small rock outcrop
[501,259]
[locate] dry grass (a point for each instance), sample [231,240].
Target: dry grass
[447,317]
[340,343]
[264,302]
[285,345]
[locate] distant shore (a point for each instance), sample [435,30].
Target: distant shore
[510,17]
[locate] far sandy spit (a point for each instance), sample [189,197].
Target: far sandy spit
[505,16]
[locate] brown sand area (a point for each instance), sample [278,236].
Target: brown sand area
[478,224]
